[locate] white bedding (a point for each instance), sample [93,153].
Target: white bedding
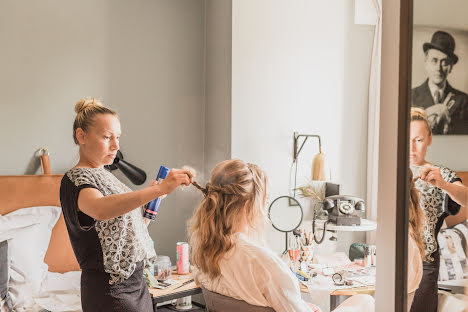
[60,292]
[449,302]
[31,286]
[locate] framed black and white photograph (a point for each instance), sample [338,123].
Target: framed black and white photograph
[440,78]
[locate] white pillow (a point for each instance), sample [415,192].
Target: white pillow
[27,248]
[9,225]
[451,303]
[60,292]
[60,282]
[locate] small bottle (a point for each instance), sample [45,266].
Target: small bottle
[163,268]
[153,206]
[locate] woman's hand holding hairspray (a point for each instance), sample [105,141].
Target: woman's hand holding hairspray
[174,179]
[167,180]
[192,174]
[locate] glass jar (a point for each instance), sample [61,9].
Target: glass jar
[162,268]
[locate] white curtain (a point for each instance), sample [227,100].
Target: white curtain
[373,122]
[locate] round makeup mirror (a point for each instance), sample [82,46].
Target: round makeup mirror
[285,214]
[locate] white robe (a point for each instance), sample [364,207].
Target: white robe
[254,274]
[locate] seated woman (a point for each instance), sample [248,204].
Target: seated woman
[225,235]
[416,249]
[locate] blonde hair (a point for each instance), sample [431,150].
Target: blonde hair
[416,217]
[419,114]
[86,109]
[232,184]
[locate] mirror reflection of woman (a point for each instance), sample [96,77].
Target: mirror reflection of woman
[227,257]
[441,193]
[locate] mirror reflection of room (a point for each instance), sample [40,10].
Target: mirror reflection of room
[190,155]
[437,148]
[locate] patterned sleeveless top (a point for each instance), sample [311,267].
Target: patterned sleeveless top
[114,246]
[437,205]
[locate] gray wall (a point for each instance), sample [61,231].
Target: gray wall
[156,83]
[144,58]
[218,71]
[448,150]
[53,53]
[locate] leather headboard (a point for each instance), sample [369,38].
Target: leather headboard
[463,214]
[18,192]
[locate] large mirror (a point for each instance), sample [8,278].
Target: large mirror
[199,81]
[438,145]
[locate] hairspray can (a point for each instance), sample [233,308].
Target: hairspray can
[183,265]
[152,208]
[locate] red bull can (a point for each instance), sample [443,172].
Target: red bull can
[183,264]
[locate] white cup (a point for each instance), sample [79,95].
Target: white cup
[184,303]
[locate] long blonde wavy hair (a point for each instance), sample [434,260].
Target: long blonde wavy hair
[416,217]
[232,184]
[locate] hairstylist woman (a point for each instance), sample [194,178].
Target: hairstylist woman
[104,222]
[441,195]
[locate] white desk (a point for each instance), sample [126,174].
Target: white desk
[366,225]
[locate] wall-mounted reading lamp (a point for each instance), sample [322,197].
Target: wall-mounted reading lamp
[318,164]
[133,173]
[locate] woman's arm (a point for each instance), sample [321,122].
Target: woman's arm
[94,204]
[457,191]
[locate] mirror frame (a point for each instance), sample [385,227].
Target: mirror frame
[289,198]
[403,185]
[392,202]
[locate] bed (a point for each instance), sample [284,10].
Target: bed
[43,273]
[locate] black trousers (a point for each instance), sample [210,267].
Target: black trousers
[426,298]
[131,295]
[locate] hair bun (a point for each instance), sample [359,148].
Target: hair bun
[84,103]
[418,112]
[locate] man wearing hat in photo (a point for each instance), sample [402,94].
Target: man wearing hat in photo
[446,107]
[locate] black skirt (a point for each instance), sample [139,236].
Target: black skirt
[426,298]
[131,295]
